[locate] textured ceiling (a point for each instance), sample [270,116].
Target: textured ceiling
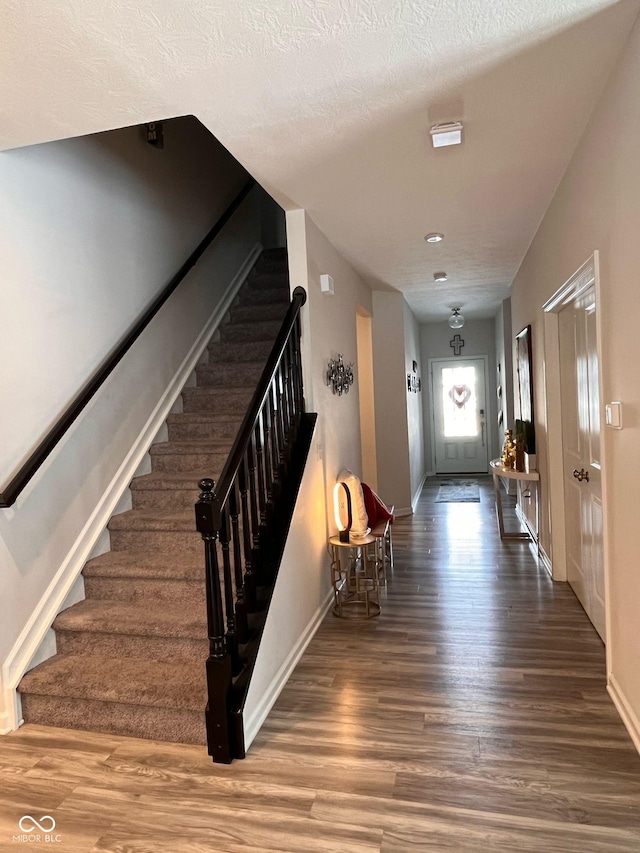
[328,103]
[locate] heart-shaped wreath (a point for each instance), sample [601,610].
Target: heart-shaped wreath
[459,395]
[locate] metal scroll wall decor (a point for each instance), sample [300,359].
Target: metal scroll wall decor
[339,376]
[414,383]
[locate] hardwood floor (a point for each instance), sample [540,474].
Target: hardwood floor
[470,716]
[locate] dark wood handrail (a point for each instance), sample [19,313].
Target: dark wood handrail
[236,455]
[11,491]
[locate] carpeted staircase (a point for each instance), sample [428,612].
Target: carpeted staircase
[130,657]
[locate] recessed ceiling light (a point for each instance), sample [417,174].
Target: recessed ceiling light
[435,237]
[440,276]
[449,133]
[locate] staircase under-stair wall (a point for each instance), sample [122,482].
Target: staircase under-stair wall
[130,657]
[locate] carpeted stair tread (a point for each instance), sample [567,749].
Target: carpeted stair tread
[123,680]
[241,352]
[129,564]
[187,448]
[173,480]
[217,399]
[269,262]
[267,279]
[269,311]
[163,491]
[263,292]
[224,373]
[258,330]
[277,253]
[205,418]
[120,617]
[263,289]
[135,519]
[174,457]
[130,681]
[207,426]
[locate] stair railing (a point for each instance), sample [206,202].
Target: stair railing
[14,487]
[243,520]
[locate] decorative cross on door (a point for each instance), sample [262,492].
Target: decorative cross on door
[457,343]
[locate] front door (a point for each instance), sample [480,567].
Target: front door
[459,409]
[582,468]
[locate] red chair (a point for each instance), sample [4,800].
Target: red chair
[380,521]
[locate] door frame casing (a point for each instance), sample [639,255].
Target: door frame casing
[588,274]
[430,363]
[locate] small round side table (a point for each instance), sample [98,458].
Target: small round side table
[354,577]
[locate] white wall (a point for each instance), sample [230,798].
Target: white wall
[364,326]
[479,340]
[398,418]
[65,302]
[301,595]
[390,387]
[597,206]
[299,602]
[415,420]
[332,330]
[90,231]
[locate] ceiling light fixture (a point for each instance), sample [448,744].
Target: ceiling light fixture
[456,320]
[440,276]
[435,237]
[449,133]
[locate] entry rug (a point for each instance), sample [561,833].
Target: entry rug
[459,491]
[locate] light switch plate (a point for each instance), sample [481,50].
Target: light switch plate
[613,415]
[326,284]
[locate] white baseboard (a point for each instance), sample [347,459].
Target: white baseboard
[416,497]
[628,715]
[26,646]
[526,523]
[5,717]
[253,722]
[402,511]
[546,562]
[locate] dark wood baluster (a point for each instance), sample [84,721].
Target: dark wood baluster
[274,455]
[281,417]
[288,397]
[268,473]
[220,736]
[293,427]
[252,547]
[298,392]
[262,491]
[273,419]
[231,639]
[242,626]
[250,463]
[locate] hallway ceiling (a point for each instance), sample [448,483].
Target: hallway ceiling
[328,103]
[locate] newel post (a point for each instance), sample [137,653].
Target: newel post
[218,665]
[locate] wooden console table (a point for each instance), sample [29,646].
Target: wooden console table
[499,471]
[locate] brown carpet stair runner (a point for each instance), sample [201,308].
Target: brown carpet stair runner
[130,657]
